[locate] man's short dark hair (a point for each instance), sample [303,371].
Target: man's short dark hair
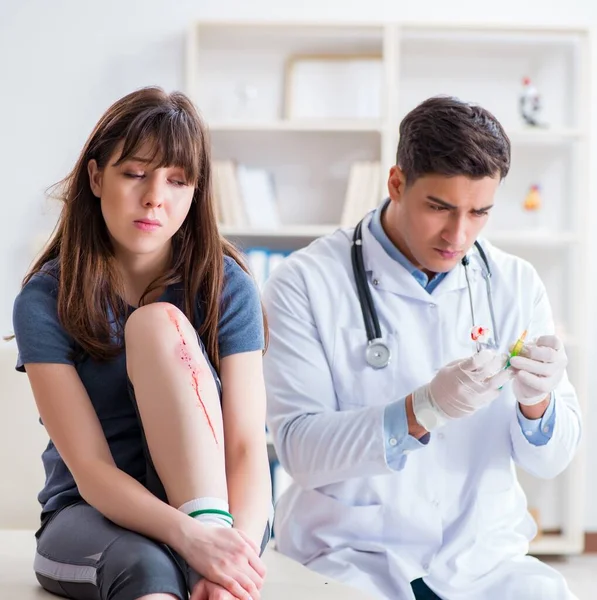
[445,136]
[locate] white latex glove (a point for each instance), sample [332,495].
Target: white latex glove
[461,388]
[538,369]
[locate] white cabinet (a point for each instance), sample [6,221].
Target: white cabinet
[239,75]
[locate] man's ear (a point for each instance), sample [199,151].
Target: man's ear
[95,178]
[396,183]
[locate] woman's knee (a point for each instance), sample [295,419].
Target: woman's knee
[157,320]
[161,332]
[161,328]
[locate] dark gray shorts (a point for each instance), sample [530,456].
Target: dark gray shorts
[84,556]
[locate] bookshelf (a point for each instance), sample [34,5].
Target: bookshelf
[237,73]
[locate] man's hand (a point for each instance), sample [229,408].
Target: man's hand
[460,388]
[538,369]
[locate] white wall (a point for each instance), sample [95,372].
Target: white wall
[63,62]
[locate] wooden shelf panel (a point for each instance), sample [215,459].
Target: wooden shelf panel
[289,231]
[298,126]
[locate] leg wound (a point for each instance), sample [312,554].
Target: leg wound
[191,364]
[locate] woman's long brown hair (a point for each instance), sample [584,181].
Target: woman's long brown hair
[90,304]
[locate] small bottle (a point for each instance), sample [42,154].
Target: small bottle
[532,201]
[532,207]
[530,103]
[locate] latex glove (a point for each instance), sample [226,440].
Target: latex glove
[461,388]
[538,369]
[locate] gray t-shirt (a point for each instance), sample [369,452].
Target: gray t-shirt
[41,339]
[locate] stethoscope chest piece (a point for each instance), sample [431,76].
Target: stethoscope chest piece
[377,354]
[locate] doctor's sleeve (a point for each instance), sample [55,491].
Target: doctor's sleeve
[317,444]
[558,446]
[538,431]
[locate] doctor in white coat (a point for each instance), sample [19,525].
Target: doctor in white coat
[402,435]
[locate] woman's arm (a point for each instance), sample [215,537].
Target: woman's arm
[73,426]
[247,466]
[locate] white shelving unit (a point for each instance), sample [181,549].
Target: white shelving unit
[310,159]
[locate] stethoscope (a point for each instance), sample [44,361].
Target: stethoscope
[377,352]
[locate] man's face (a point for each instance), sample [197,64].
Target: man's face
[436,219]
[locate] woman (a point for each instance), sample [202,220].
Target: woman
[142,337]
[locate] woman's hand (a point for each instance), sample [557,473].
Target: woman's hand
[208,590]
[226,557]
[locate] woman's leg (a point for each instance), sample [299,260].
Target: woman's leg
[178,403]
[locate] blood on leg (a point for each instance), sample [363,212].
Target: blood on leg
[195,371]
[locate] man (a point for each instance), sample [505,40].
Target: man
[402,438]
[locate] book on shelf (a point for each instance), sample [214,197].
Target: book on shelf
[362,192]
[244,196]
[227,194]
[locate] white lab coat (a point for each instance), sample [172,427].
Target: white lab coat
[454,513]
